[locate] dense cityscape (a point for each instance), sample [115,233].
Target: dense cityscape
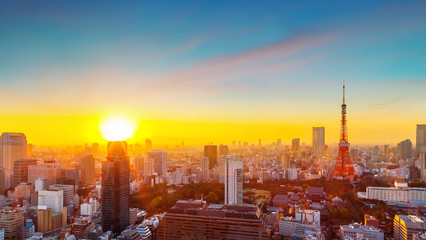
[205,120]
[243,191]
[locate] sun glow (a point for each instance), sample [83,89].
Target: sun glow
[117,128]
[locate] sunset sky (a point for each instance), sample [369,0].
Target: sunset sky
[213,71]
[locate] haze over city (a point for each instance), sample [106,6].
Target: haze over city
[205,72]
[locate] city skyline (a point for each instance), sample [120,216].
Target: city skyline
[223,78]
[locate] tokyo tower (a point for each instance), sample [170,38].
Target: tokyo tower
[343,168]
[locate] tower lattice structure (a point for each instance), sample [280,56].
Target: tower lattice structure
[343,167]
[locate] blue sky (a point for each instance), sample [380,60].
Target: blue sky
[256,61]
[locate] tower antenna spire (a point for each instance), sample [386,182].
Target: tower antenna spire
[343,91]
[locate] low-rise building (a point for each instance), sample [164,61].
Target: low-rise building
[358,231]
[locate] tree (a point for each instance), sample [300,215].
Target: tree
[211,198]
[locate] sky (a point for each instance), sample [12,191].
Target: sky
[213,71]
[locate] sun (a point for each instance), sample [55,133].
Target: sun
[117,128]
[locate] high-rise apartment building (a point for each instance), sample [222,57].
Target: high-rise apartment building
[159,160]
[88,171]
[205,169]
[233,179]
[210,151]
[286,161]
[421,138]
[115,188]
[295,145]
[405,149]
[20,170]
[318,140]
[13,146]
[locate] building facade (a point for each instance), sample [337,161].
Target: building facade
[233,179]
[13,146]
[115,188]
[318,140]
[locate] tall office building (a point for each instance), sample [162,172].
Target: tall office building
[115,188]
[423,166]
[20,170]
[295,145]
[405,149]
[88,171]
[53,199]
[148,144]
[233,180]
[13,146]
[159,160]
[210,151]
[421,138]
[138,164]
[205,169]
[318,140]
[286,161]
[223,150]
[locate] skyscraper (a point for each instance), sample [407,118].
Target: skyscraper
[159,160]
[223,150]
[148,144]
[421,138]
[210,151]
[115,188]
[318,140]
[13,146]
[295,145]
[205,168]
[405,149]
[233,180]
[88,174]
[20,170]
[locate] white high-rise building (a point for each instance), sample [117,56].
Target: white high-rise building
[13,146]
[233,179]
[159,160]
[51,199]
[318,140]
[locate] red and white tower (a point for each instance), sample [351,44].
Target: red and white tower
[343,168]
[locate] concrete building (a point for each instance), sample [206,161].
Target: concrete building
[53,199]
[115,188]
[69,192]
[295,145]
[48,220]
[159,161]
[205,169]
[20,170]
[29,229]
[13,146]
[88,171]
[421,138]
[405,148]
[399,194]
[404,226]
[318,140]
[12,221]
[291,228]
[51,171]
[357,231]
[41,184]
[223,150]
[89,208]
[210,151]
[198,220]
[233,179]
